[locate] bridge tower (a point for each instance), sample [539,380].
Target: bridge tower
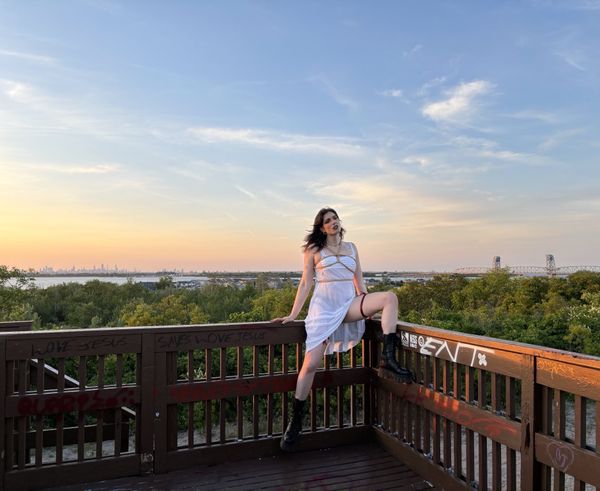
[496,262]
[550,265]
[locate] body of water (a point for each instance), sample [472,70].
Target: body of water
[46,281]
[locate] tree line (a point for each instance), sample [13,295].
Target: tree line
[554,312]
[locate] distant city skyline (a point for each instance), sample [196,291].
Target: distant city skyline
[206,135]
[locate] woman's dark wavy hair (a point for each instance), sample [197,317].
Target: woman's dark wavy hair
[315,237]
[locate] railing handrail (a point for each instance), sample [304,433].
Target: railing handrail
[484,341]
[538,351]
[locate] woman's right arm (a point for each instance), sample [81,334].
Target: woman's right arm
[303,288]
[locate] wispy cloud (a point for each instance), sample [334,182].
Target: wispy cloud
[460,104]
[278,141]
[335,93]
[245,191]
[395,93]
[573,57]
[58,113]
[535,115]
[427,86]
[570,4]
[558,138]
[36,58]
[415,49]
[76,169]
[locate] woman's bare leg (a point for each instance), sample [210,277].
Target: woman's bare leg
[387,303]
[312,361]
[384,302]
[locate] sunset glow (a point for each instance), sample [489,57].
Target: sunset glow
[206,135]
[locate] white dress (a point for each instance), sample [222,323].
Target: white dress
[332,296]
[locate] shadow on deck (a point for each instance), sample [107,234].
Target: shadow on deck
[150,405]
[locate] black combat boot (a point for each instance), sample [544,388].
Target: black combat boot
[290,437]
[388,359]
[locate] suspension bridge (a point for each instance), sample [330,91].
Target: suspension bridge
[550,268]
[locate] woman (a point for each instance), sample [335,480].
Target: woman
[338,309]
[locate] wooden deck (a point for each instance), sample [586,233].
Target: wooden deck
[361,466]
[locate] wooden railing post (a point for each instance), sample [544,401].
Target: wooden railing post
[2,409]
[160,413]
[531,417]
[147,405]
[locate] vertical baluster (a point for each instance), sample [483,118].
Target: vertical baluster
[340,395]
[270,368]
[436,417]
[81,414]
[447,422]
[427,414]
[39,424]
[353,389]
[9,444]
[457,389]
[408,405]
[60,417]
[313,409]
[580,428]
[374,393]
[559,433]
[511,456]
[100,413]
[326,398]
[22,420]
[496,447]
[190,405]
[222,376]
[172,419]
[239,404]
[255,401]
[418,410]
[119,371]
[482,440]
[6,423]
[285,349]
[470,436]
[546,429]
[366,393]
[208,402]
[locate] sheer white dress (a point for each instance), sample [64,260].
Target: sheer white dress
[332,296]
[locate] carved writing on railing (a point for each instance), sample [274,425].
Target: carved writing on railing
[84,401]
[77,344]
[185,340]
[467,354]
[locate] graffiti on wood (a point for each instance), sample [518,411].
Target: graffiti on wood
[560,455]
[468,354]
[84,401]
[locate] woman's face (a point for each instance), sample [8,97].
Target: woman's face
[331,223]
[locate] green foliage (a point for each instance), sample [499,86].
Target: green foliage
[555,312]
[168,311]
[16,289]
[272,303]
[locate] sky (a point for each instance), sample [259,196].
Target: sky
[206,135]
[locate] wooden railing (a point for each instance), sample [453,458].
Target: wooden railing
[127,401]
[12,326]
[493,414]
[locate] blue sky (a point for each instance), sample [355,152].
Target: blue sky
[206,135]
